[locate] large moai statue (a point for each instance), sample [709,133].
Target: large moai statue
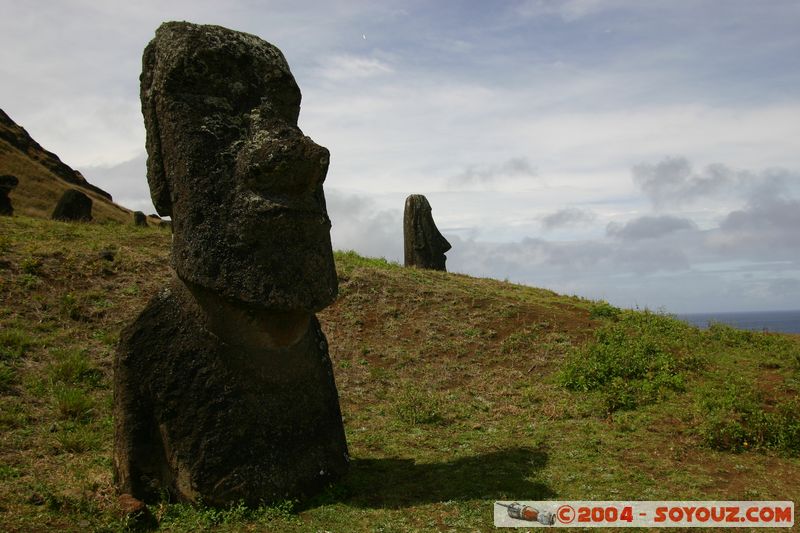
[224,390]
[424,246]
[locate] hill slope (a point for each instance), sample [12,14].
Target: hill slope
[456,391]
[43,177]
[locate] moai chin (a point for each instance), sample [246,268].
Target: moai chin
[424,246]
[224,390]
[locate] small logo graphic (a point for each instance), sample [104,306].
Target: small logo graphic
[527,513]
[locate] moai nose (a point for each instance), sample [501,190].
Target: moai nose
[283,165]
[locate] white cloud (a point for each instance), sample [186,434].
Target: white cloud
[648,227]
[511,169]
[569,10]
[352,68]
[126,182]
[570,216]
[359,224]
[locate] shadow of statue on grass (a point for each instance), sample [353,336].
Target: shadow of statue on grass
[396,482]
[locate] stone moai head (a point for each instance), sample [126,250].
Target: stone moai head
[7,184]
[227,161]
[73,205]
[424,246]
[139,219]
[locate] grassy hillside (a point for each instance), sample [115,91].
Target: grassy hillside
[39,190]
[456,392]
[42,177]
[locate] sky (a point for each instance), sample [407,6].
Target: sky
[642,152]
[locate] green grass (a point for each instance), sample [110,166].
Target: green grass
[14,342]
[77,439]
[8,377]
[73,403]
[455,391]
[181,517]
[414,406]
[73,367]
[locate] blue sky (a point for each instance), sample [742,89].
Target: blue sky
[644,152]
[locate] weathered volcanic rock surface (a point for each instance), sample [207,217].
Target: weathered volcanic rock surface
[73,206]
[225,157]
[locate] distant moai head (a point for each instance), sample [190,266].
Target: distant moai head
[139,219]
[7,184]
[424,246]
[73,205]
[228,163]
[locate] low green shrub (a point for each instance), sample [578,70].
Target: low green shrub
[603,309]
[770,344]
[735,418]
[634,360]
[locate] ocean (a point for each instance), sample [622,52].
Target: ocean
[776,321]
